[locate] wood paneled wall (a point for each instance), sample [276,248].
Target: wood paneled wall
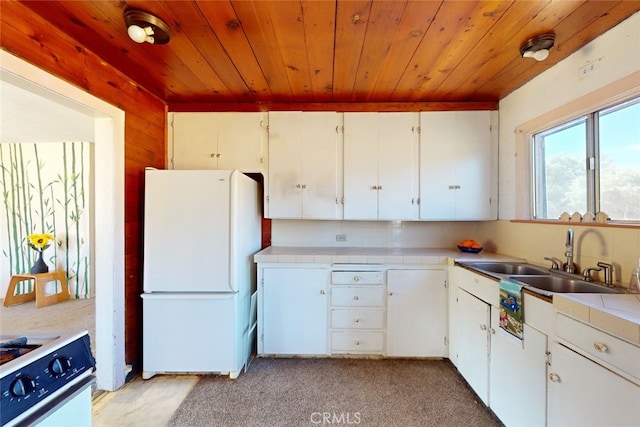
[35,40]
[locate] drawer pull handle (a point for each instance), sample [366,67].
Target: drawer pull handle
[554,378]
[356,320]
[355,297]
[602,348]
[483,327]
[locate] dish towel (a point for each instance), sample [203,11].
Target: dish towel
[511,308]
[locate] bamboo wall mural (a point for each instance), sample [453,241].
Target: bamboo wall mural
[45,190]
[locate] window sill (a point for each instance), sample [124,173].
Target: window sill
[583,224]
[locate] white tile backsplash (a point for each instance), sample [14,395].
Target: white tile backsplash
[530,241]
[371,234]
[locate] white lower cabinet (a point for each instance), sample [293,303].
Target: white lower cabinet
[473,317]
[596,382]
[293,311]
[417,313]
[357,312]
[583,393]
[517,376]
[508,375]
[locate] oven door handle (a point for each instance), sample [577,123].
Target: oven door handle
[43,412]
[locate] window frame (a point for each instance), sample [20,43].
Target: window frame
[606,96]
[591,120]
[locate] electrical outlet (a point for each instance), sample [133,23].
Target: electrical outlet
[341,237]
[588,69]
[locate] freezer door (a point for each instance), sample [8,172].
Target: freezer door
[191,333]
[186,231]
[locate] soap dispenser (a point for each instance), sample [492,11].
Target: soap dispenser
[634,282]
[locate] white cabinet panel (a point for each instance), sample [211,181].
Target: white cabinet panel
[416,313]
[217,140]
[294,311]
[304,174]
[472,323]
[457,174]
[583,393]
[380,166]
[518,368]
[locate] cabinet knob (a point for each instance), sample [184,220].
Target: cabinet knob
[379,187]
[492,331]
[483,327]
[298,186]
[554,378]
[357,342]
[322,292]
[356,278]
[602,348]
[304,186]
[355,297]
[356,320]
[390,293]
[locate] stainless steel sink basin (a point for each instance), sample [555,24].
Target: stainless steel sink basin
[561,284]
[509,268]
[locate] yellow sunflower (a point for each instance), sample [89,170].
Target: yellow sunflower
[39,242]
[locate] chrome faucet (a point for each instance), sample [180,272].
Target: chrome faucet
[568,267]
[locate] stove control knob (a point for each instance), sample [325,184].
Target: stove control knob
[59,366]
[22,386]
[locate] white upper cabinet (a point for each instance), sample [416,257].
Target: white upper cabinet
[217,140]
[381,166]
[458,177]
[304,180]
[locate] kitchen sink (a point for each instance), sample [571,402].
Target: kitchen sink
[561,284]
[508,268]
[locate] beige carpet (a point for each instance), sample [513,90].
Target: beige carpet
[308,392]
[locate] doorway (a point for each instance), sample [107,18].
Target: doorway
[106,124]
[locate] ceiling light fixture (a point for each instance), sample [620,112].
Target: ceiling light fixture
[144,27]
[538,47]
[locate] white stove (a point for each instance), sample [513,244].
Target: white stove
[46,379]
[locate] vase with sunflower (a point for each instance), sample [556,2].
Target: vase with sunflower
[39,242]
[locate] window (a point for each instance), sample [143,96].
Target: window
[590,164]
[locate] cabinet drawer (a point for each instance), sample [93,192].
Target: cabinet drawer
[357,341]
[357,296]
[357,319]
[357,278]
[605,347]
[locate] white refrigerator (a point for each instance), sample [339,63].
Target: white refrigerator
[201,230]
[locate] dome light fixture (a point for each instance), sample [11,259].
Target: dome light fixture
[538,46]
[144,27]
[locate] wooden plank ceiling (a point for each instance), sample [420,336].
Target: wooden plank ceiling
[283,53]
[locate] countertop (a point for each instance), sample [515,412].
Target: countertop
[618,314]
[352,255]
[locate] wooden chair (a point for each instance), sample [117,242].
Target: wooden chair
[38,292]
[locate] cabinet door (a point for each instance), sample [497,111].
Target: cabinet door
[361,166]
[455,165]
[240,141]
[285,165]
[472,322]
[294,311]
[320,166]
[416,313]
[194,141]
[518,367]
[397,166]
[583,393]
[473,165]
